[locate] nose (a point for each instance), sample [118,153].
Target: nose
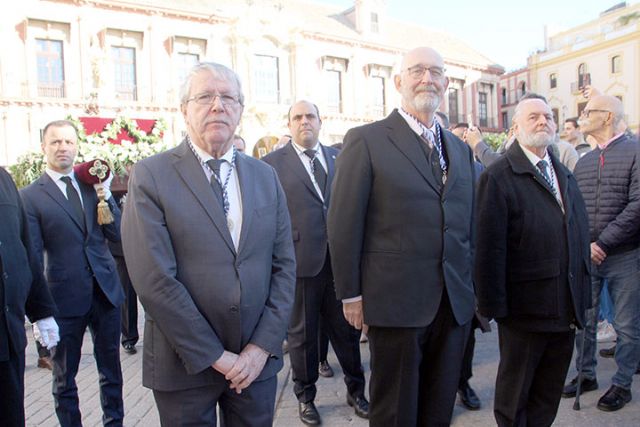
[217,104]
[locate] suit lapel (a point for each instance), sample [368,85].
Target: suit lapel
[246,183]
[563,183]
[292,159]
[190,170]
[54,192]
[407,142]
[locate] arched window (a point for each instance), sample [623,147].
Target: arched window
[553,80]
[523,88]
[583,76]
[616,64]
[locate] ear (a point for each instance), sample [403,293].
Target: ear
[397,81]
[183,110]
[446,83]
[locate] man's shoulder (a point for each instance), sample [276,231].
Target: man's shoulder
[35,186]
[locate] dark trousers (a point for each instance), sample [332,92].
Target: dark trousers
[531,374]
[323,341]
[254,407]
[129,309]
[103,320]
[315,298]
[12,389]
[415,371]
[467,359]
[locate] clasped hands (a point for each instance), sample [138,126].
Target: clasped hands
[241,369]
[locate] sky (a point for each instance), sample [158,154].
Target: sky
[506,31]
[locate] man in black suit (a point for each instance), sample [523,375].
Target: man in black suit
[129,308]
[80,272]
[531,269]
[306,168]
[400,234]
[22,290]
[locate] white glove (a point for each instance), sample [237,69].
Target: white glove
[46,332]
[106,186]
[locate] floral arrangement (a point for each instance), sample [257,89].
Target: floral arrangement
[120,155]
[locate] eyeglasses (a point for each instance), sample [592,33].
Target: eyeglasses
[587,112]
[417,71]
[210,98]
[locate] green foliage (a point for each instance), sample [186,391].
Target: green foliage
[494,140]
[98,146]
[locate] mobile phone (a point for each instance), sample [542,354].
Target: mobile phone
[470,120]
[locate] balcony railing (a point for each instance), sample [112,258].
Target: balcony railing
[55,90]
[127,93]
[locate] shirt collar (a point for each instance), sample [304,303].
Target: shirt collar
[606,144]
[415,124]
[534,159]
[228,156]
[300,149]
[55,176]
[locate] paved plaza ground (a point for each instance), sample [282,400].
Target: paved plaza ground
[331,400]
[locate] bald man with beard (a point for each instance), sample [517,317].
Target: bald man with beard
[400,237]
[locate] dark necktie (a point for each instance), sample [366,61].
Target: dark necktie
[318,171]
[215,164]
[74,199]
[542,167]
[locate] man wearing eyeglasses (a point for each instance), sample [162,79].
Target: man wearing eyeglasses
[400,234]
[609,178]
[207,239]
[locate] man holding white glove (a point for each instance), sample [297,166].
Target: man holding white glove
[81,274]
[22,291]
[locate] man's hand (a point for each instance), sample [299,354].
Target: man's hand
[247,367]
[46,331]
[225,362]
[597,254]
[353,313]
[472,137]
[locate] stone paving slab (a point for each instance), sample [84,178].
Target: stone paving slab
[331,399]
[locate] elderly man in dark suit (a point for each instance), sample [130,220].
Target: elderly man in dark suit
[22,289]
[207,239]
[532,267]
[400,234]
[80,272]
[306,168]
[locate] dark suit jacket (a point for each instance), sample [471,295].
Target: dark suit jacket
[200,295]
[532,261]
[307,209]
[395,236]
[73,259]
[22,285]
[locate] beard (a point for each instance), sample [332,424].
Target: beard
[426,100]
[537,139]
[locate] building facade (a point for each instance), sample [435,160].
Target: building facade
[110,58]
[603,53]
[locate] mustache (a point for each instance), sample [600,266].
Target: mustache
[428,89]
[216,120]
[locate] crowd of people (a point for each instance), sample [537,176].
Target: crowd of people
[413,233]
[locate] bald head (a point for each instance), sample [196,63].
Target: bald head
[421,55]
[602,117]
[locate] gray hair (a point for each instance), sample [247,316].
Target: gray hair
[219,71]
[527,96]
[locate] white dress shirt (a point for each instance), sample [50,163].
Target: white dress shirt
[534,159]
[306,162]
[56,177]
[234,195]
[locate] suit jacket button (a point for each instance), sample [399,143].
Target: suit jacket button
[234,309]
[5,276]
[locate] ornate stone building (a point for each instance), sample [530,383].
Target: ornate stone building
[127,57]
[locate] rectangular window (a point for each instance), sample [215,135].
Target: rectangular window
[266,78]
[454,116]
[377,89]
[124,67]
[334,90]
[375,28]
[186,61]
[616,64]
[553,81]
[482,109]
[505,121]
[50,65]
[504,96]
